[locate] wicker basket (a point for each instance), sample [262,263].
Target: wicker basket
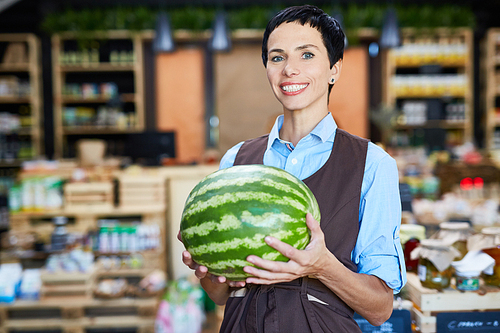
[135,291]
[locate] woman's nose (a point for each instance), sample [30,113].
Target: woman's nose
[291,68]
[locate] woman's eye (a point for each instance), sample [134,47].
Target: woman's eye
[307,55]
[276,58]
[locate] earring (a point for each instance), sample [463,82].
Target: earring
[332,80]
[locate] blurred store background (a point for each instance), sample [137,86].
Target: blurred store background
[112,111]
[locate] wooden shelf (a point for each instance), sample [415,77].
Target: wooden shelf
[88,302]
[81,130]
[93,211]
[436,124]
[107,34]
[86,217]
[489,74]
[83,324]
[101,67]
[29,70]
[444,65]
[125,253]
[127,98]
[395,59]
[25,254]
[15,67]
[430,95]
[124,272]
[14,100]
[21,131]
[78,314]
[135,98]
[12,164]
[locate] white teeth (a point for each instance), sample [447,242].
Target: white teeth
[293,87]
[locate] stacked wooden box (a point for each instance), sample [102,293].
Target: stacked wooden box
[62,284]
[428,303]
[123,315]
[142,191]
[84,196]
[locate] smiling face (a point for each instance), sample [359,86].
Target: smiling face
[298,67]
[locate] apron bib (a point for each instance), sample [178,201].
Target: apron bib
[307,305]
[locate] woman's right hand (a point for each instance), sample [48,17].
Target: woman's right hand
[201,272]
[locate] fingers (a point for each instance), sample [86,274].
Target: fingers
[285,249]
[312,224]
[263,265]
[236,284]
[261,276]
[216,278]
[188,260]
[179,236]
[317,235]
[201,272]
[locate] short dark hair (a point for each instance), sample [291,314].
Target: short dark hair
[329,28]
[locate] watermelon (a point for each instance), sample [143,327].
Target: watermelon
[229,212]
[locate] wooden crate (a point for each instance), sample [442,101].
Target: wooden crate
[88,195]
[77,316]
[428,302]
[142,190]
[64,284]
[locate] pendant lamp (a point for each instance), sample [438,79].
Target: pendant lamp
[220,41]
[390,37]
[164,40]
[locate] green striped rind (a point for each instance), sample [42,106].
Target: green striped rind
[228,214]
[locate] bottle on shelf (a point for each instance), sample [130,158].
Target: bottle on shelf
[59,236]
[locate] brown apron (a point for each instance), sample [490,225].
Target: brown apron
[305,304]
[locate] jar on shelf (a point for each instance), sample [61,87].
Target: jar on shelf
[455,234]
[467,280]
[434,263]
[491,238]
[411,235]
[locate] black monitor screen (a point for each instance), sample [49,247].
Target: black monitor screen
[150,148]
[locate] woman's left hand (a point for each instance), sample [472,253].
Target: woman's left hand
[302,262]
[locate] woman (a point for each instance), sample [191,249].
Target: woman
[354,260]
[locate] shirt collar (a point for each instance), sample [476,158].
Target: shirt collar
[325,130]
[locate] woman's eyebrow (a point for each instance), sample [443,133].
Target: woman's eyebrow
[306,46]
[277,50]
[298,48]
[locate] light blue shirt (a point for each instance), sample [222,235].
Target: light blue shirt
[378,248]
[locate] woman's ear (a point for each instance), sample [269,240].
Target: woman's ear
[335,71]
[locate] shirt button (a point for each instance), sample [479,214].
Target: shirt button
[294,161]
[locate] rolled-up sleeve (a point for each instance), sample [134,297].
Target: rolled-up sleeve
[378,249]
